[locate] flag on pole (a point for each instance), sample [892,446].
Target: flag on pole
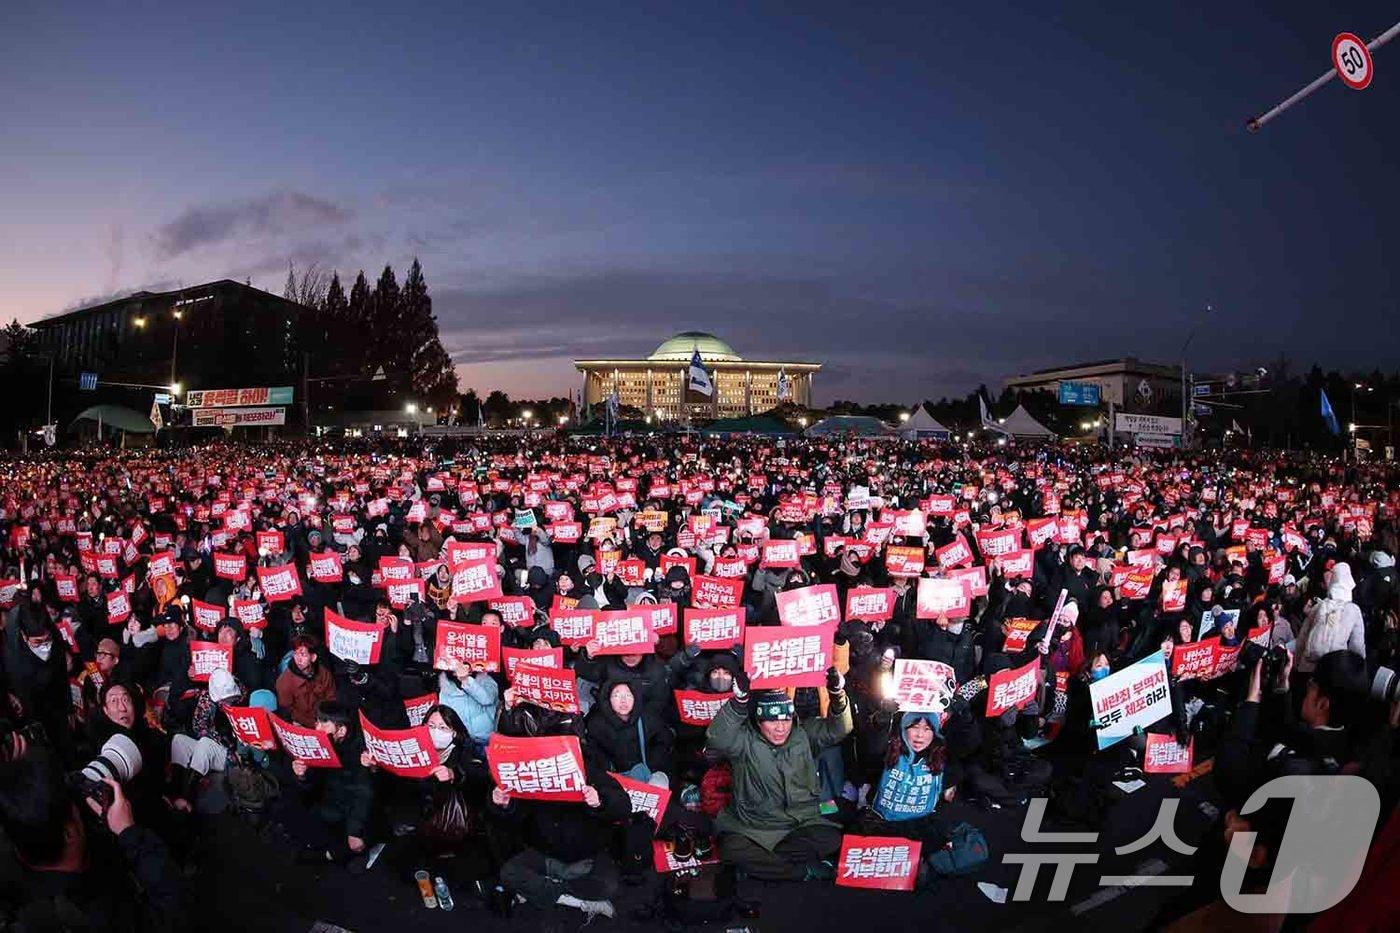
[614,403]
[784,385]
[1329,416]
[699,378]
[987,420]
[156,419]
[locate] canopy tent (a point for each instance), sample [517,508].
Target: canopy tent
[922,424]
[752,424]
[1020,424]
[856,425]
[116,417]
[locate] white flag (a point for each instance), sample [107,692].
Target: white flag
[156,419]
[699,379]
[987,421]
[614,403]
[1235,426]
[784,386]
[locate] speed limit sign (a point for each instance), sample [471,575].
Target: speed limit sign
[1352,60]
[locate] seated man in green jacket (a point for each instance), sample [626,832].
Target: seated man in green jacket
[773,829]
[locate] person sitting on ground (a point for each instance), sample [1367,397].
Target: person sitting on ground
[773,829]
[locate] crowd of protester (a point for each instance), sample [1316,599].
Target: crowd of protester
[111,564]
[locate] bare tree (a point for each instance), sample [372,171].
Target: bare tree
[308,288]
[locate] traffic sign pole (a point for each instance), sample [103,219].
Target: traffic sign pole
[1255,123]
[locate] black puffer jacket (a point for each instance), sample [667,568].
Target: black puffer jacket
[650,676]
[571,832]
[620,743]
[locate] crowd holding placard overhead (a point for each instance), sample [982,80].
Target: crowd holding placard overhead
[543,668]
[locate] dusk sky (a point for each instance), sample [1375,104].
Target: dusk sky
[922,200]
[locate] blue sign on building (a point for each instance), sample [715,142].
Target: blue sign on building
[87,382]
[1079,393]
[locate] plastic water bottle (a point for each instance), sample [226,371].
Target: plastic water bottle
[444,896]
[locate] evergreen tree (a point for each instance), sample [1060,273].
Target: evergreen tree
[357,318]
[432,377]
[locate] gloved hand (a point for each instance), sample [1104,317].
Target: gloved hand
[835,683]
[741,686]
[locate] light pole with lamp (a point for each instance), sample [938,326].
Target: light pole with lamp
[1185,391]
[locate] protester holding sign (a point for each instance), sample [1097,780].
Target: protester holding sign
[774,829]
[306,683]
[331,808]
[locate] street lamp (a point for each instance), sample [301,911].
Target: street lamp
[563,419]
[904,416]
[411,408]
[176,388]
[140,322]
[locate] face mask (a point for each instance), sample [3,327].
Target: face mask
[1099,673]
[442,738]
[43,651]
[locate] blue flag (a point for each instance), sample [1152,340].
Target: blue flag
[1329,416]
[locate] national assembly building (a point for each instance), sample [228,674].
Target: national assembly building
[657,385]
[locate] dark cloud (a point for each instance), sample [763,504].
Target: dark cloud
[271,215]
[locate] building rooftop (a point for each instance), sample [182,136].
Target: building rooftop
[205,288]
[685,344]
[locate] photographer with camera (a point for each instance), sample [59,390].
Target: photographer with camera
[68,835]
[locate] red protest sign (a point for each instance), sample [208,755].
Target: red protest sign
[476,646]
[994,542]
[870,604]
[646,798]
[1164,755]
[716,592]
[395,568]
[1173,595]
[904,561]
[575,626]
[1196,659]
[538,768]
[942,597]
[279,583]
[780,554]
[324,567]
[349,640]
[66,585]
[880,862]
[1042,531]
[417,708]
[697,708]
[663,617]
[622,631]
[205,616]
[921,686]
[668,561]
[514,610]
[714,628]
[809,605]
[474,580]
[405,752]
[788,656]
[118,607]
[953,554]
[306,745]
[552,688]
[973,580]
[540,657]
[1138,584]
[250,613]
[1018,563]
[251,726]
[206,657]
[1017,631]
[230,567]
[1012,689]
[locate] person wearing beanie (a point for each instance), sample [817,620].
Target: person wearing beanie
[1331,624]
[773,828]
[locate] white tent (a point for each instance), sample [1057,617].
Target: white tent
[922,424]
[1020,424]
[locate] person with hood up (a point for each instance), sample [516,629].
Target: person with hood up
[629,738]
[539,587]
[919,775]
[650,676]
[1376,590]
[1333,623]
[331,807]
[773,828]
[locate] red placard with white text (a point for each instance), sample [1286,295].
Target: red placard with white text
[870,603]
[310,746]
[714,628]
[622,631]
[698,708]
[407,752]
[279,583]
[550,687]
[251,726]
[541,657]
[646,798]
[1164,755]
[475,580]
[206,657]
[809,605]
[942,597]
[476,646]
[1013,688]
[788,656]
[230,567]
[538,768]
[324,567]
[716,592]
[205,616]
[417,708]
[884,863]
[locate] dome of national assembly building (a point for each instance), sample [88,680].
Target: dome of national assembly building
[682,346]
[658,385]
